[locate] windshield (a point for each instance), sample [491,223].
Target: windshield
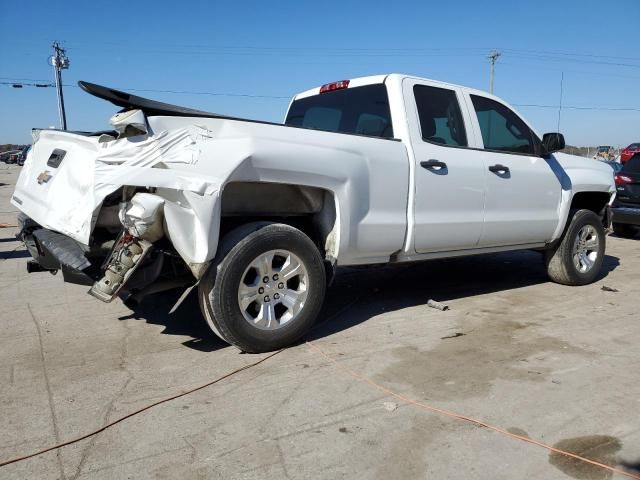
[358,110]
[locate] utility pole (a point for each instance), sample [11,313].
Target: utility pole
[560,105]
[493,56]
[60,61]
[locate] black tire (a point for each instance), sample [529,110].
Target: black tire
[218,289]
[559,260]
[625,230]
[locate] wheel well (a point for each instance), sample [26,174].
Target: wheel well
[309,209]
[594,201]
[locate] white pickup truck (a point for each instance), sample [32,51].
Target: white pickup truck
[373,170]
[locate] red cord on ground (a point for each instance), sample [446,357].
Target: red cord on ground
[464,418]
[111,424]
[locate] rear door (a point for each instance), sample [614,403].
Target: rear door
[449,177]
[523,192]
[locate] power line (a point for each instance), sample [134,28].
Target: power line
[151,90]
[217,47]
[22,84]
[552,58]
[575,107]
[278,97]
[574,54]
[253,50]
[187,92]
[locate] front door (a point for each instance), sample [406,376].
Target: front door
[522,191]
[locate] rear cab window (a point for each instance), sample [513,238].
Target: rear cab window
[357,110]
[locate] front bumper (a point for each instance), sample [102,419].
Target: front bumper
[54,251]
[627,215]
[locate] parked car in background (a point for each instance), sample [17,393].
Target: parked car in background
[630,151]
[257,215]
[605,152]
[626,206]
[9,156]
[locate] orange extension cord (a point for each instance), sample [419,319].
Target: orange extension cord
[111,424]
[464,418]
[356,376]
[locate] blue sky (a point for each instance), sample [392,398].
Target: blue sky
[275,49]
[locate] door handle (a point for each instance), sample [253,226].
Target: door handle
[499,169]
[433,164]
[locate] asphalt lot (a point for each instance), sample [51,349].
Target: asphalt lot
[556,364]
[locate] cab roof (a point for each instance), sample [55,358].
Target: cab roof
[374,79]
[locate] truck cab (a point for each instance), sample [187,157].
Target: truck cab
[480,177]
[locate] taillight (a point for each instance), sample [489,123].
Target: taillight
[622,179]
[330,87]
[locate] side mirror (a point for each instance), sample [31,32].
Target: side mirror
[552,142]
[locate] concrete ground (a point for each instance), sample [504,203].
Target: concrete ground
[555,363]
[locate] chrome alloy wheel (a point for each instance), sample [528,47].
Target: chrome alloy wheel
[585,248]
[273,289]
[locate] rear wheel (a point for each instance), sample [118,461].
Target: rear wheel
[624,230]
[267,287]
[578,258]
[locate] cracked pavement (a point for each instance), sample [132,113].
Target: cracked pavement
[555,363]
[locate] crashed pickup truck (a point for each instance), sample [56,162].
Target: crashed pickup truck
[257,216]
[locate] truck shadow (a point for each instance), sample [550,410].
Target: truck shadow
[186,321]
[14,254]
[358,294]
[374,290]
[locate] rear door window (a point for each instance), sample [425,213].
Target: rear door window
[502,130]
[440,116]
[358,110]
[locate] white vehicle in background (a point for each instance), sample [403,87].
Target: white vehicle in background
[382,169]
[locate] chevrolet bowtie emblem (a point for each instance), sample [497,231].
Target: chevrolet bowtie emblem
[44,177]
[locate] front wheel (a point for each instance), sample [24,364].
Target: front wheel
[578,258]
[267,287]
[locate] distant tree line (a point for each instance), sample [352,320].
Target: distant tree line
[10,146]
[582,151]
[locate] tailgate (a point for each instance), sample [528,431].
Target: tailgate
[67,175]
[55,187]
